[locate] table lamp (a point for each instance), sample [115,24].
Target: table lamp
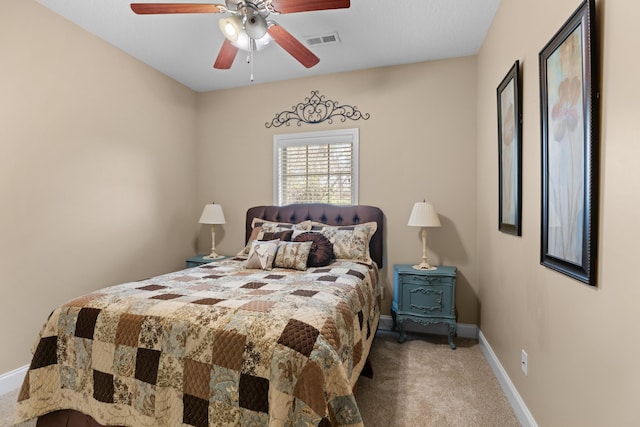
[212,214]
[424,215]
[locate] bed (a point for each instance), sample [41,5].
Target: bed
[280,343]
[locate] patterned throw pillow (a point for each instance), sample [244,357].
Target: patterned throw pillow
[321,252]
[260,227]
[278,226]
[262,254]
[351,242]
[292,255]
[284,236]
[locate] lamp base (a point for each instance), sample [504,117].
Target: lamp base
[424,266]
[213,255]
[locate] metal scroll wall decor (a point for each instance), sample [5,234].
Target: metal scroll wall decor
[316,109]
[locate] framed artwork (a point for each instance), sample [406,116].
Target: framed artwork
[510,152]
[570,161]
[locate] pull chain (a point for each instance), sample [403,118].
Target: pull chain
[252,45]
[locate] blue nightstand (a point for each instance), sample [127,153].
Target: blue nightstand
[197,260]
[424,296]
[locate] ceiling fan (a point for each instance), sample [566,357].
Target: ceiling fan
[248,27]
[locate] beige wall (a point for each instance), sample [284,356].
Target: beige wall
[419,143]
[105,165]
[581,341]
[101,183]
[97,181]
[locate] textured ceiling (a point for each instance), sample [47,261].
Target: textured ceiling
[373,33]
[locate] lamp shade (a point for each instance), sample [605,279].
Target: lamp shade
[256,26]
[244,42]
[212,214]
[231,27]
[424,215]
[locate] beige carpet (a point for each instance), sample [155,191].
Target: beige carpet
[419,383]
[7,408]
[422,382]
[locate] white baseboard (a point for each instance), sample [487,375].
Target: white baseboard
[518,405]
[12,380]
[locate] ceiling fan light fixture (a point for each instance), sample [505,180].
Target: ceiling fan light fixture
[233,4]
[244,42]
[231,27]
[255,26]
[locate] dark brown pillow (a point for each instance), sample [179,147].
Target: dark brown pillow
[284,236]
[321,252]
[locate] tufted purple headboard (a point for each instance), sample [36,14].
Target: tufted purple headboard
[327,214]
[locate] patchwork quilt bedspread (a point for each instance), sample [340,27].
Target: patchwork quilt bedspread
[208,346]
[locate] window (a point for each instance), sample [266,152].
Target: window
[316,167]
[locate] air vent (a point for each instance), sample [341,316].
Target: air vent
[322,39]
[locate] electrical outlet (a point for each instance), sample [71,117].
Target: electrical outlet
[523,363]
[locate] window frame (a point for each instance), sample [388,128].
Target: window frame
[340,136]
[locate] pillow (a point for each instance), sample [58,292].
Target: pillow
[261,226]
[292,255]
[252,237]
[351,242]
[279,226]
[284,236]
[321,252]
[318,226]
[262,254]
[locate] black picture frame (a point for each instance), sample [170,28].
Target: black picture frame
[569,104]
[509,94]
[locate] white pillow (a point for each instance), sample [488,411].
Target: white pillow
[262,254]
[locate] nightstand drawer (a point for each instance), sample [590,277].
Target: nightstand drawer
[434,300]
[416,279]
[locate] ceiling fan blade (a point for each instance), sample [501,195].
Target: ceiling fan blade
[154,8]
[292,6]
[226,56]
[293,46]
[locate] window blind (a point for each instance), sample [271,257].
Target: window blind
[316,172]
